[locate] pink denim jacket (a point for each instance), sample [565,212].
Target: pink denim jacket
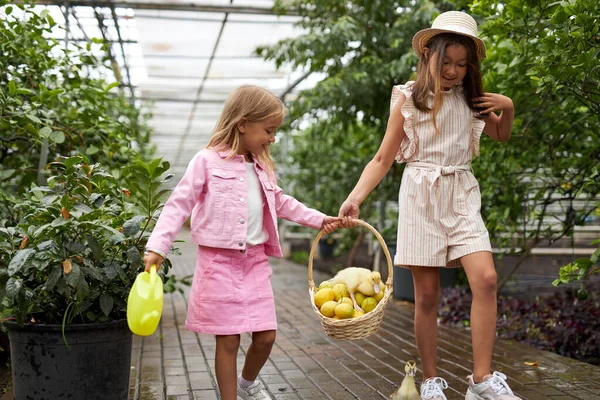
[214,191]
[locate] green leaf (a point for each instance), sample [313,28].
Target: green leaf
[80,209]
[73,278]
[19,260]
[132,226]
[45,131]
[595,255]
[95,247]
[53,278]
[12,87]
[106,303]
[33,118]
[91,150]
[57,137]
[60,221]
[6,174]
[556,282]
[134,256]
[75,247]
[112,85]
[13,287]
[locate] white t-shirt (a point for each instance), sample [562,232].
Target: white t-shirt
[256,234]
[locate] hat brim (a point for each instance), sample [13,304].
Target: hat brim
[423,36]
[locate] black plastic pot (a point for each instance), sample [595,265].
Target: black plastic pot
[326,247]
[95,366]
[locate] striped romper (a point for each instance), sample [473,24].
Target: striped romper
[439,219]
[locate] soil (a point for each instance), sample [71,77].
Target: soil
[5,378]
[5,382]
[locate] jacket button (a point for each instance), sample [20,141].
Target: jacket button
[241,244]
[242,199]
[242,179]
[242,221]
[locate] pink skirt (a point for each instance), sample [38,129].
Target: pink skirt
[231,292]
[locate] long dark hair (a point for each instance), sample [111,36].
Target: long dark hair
[426,83]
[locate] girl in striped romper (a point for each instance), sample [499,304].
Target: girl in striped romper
[434,126]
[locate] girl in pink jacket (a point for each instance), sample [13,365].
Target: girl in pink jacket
[230,191]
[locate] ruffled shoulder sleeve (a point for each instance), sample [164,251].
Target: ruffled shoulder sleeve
[477,126]
[408,147]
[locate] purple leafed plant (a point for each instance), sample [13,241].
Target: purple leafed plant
[560,323]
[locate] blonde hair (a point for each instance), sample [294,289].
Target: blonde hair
[253,103]
[425,83]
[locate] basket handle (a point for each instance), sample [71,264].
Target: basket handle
[311,283]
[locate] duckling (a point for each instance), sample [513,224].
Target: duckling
[359,280]
[408,389]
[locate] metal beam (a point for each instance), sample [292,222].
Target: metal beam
[201,87]
[175,100]
[191,57]
[214,78]
[125,56]
[144,5]
[107,40]
[235,21]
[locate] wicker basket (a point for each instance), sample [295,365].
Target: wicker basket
[352,328]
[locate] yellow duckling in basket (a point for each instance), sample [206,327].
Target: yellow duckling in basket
[359,280]
[408,389]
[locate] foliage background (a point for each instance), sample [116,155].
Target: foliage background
[79,192]
[542,54]
[54,99]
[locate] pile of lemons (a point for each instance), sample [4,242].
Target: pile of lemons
[333,300]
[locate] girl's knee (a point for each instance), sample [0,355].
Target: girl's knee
[487,282]
[427,302]
[427,288]
[229,343]
[427,298]
[264,340]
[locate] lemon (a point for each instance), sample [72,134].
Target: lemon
[323,296]
[344,311]
[359,297]
[326,284]
[379,296]
[357,314]
[327,309]
[368,304]
[346,300]
[340,291]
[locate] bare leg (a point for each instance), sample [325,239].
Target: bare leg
[225,365]
[481,273]
[427,297]
[258,353]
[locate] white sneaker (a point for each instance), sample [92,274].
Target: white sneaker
[433,389]
[256,391]
[493,387]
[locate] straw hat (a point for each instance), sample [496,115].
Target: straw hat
[456,22]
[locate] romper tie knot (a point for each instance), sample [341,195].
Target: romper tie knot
[447,170]
[459,201]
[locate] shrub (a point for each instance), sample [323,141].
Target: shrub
[561,323]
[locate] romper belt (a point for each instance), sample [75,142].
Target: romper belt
[459,201]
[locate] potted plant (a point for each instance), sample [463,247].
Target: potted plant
[66,267]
